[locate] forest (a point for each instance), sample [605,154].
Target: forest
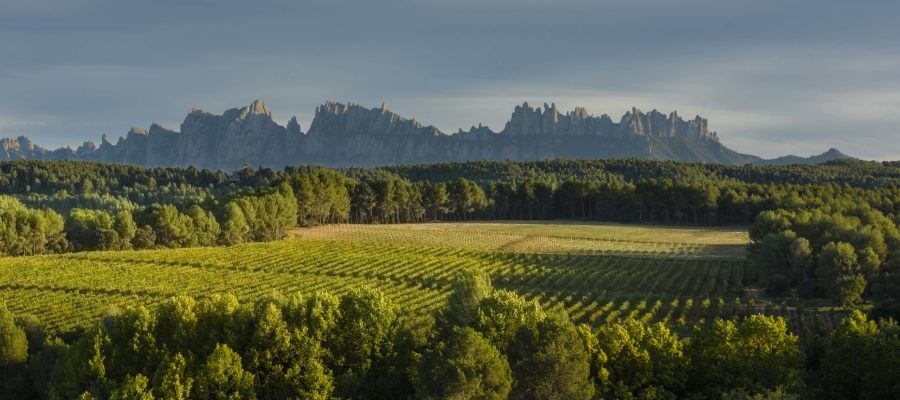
[485,343]
[824,233]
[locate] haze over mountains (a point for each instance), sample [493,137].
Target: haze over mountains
[343,135]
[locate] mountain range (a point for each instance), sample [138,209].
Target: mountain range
[344,135]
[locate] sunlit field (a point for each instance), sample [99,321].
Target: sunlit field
[597,273]
[548,237]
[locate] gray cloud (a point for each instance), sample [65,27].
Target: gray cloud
[773,77]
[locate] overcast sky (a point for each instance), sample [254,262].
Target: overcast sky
[772,77]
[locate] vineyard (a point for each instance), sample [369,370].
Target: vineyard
[535,237]
[596,273]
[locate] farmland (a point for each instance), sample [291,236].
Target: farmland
[658,282]
[597,273]
[556,237]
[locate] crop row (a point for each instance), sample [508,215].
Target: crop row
[66,291]
[511,241]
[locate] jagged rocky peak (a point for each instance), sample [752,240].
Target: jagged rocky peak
[526,121]
[20,143]
[86,149]
[293,127]
[25,143]
[352,119]
[333,107]
[135,131]
[579,113]
[477,130]
[256,111]
[347,134]
[157,129]
[257,107]
[22,148]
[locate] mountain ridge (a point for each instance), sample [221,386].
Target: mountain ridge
[344,135]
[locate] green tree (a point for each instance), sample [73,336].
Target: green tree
[315,314]
[361,341]
[286,362]
[466,367]
[784,253]
[550,361]
[848,289]
[91,230]
[322,195]
[221,321]
[13,342]
[837,262]
[176,324]
[222,376]
[234,228]
[172,380]
[270,216]
[83,368]
[502,313]
[132,344]
[206,229]
[757,355]
[42,364]
[125,228]
[861,361]
[639,361]
[285,206]
[769,222]
[801,258]
[144,238]
[13,356]
[435,200]
[132,388]
[171,227]
[470,287]
[466,197]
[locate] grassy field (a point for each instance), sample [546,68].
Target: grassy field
[596,272]
[555,237]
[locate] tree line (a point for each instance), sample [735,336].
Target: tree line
[663,192]
[484,344]
[248,217]
[841,252]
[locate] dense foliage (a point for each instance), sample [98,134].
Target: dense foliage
[637,190]
[25,231]
[628,190]
[485,344]
[843,251]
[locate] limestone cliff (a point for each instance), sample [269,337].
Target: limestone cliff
[526,121]
[21,148]
[352,135]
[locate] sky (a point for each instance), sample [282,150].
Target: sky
[773,77]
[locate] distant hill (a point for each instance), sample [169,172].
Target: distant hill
[343,135]
[831,154]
